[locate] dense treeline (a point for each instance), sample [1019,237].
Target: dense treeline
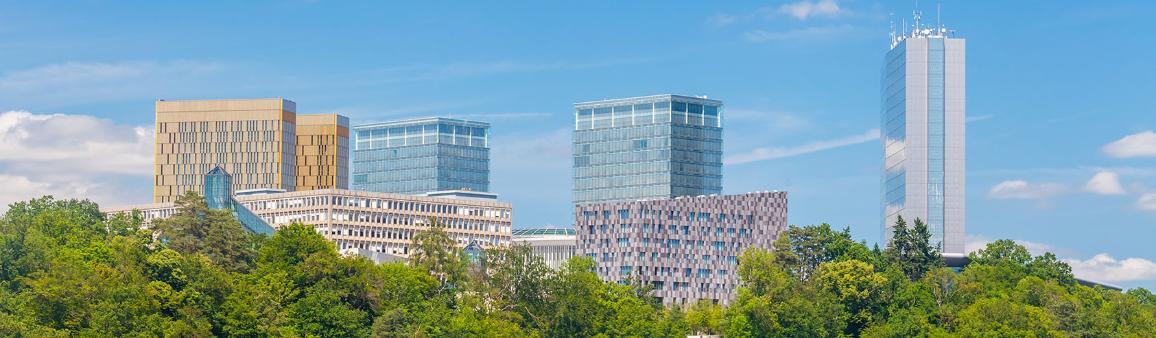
[66,270]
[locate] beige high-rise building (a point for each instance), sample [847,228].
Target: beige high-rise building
[255,140]
[322,152]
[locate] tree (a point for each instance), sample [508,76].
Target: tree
[438,254]
[996,317]
[705,317]
[196,229]
[858,288]
[911,249]
[800,250]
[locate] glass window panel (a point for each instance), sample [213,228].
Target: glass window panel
[601,111]
[678,106]
[711,110]
[695,108]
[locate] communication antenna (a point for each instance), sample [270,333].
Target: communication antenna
[938,4]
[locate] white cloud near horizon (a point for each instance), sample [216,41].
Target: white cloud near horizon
[1142,144]
[1105,183]
[805,9]
[770,153]
[1100,268]
[1105,268]
[72,156]
[1020,189]
[74,143]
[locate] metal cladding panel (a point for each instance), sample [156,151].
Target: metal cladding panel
[916,141]
[955,97]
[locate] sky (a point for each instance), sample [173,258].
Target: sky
[1061,150]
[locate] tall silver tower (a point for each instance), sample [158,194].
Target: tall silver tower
[923,117]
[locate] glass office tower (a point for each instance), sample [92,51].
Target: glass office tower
[422,155]
[923,117]
[651,147]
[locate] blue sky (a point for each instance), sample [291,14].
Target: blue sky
[1059,92]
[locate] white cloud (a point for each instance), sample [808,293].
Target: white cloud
[73,144]
[1142,144]
[1020,189]
[1104,268]
[20,188]
[1105,183]
[800,33]
[769,153]
[1147,202]
[73,156]
[805,9]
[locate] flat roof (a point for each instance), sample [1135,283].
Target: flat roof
[422,120]
[544,232]
[702,99]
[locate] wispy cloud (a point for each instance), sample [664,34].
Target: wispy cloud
[1142,144]
[977,118]
[81,81]
[721,19]
[1020,189]
[816,32]
[1105,183]
[770,153]
[806,9]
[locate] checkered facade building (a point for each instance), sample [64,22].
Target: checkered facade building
[685,248]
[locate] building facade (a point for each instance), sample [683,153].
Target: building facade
[254,139]
[685,248]
[376,222]
[553,245]
[322,152]
[651,147]
[422,155]
[923,122]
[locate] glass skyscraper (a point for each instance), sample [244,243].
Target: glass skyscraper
[422,155]
[923,116]
[650,147]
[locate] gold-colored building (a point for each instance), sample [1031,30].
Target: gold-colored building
[253,139]
[322,152]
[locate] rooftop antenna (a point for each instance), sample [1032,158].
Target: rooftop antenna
[938,4]
[891,19]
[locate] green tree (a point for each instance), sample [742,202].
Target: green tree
[858,288]
[705,317]
[196,229]
[437,253]
[800,250]
[911,249]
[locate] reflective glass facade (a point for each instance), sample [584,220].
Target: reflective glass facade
[219,196]
[652,147]
[422,155]
[923,116]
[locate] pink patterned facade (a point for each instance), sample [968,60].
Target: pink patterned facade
[685,248]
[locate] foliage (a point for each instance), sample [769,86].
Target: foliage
[66,270]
